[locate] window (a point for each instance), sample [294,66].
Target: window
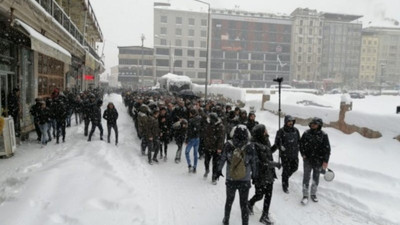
[203,44]
[190,53]
[178,63]
[309,59]
[190,64]
[310,31]
[299,68]
[203,64]
[308,69]
[300,30]
[178,42]
[300,49]
[178,20]
[243,55]
[243,66]
[203,22]
[191,32]
[163,42]
[163,30]
[216,65]
[162,62]
[300,40]
[231,55]
[178,52]
[191,43]
[309,40]
[178,31]
[164,19]
[203,53]
[230,66]
[257,66]
[191,21]
[257,56]
[162,51]
[299,58]
[309,49]
[311,23]
[301,22]
[203,33]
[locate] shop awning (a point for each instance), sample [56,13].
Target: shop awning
[44,45]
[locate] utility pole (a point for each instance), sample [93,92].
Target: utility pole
[142,72]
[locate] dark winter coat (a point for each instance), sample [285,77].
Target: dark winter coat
[58,110]
[215,136]
[142,120]
[153,129]
[179,113]
[250,124]
[165,127]
[180,131]
[314,145]
[43,115]
[265,162]
[194,128]
[111,115]
[34,111]
[289,138]
[95,115]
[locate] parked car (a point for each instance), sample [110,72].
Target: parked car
[356,95]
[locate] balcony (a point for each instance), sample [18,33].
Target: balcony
[57,12]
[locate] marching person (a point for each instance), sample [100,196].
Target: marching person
[264,180]
[153,136]
[95,119]
[315,150]
[193,139]
[180,129]
[34,111]
[213,144]
[237,148]
[43,115]
[287,140]
[111,115]
[165,128]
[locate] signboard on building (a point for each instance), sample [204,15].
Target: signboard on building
[216,81]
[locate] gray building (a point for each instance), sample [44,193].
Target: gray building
[341,46]
[132,71]
[249,49]
[180,43]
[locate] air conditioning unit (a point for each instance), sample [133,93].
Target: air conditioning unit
[8,143]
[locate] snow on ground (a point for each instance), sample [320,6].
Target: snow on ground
[80,182]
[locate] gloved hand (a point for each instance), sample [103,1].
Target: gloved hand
[283,148]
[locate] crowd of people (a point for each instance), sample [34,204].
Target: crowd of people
[52,115]
[222,134]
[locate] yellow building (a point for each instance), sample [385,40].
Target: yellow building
[368,59]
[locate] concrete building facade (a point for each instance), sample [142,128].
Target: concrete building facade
[306,47]
[369,59]
[341,48]
[180,43]
[132,73]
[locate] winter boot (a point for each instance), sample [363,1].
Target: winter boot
[265,219]
[314,198]
[206,173]
[304,201]
[155,160]
[177,160]
[225,221]
[190,169]
[194,170]
[286,190]
[150,162]
[250,207]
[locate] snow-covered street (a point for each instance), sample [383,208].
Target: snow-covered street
[83,183]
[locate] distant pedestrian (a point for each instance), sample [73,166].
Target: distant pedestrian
[95,119]
[111,116]
[193,139]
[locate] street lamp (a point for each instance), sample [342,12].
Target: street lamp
[142,38]
[208,46]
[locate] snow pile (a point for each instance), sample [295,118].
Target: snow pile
[374,112]
[228,91]
[175,80]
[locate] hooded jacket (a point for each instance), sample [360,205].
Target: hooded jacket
[111,115]
[289,138]
[240,137]
[215,135]
[314,145]
[265,162]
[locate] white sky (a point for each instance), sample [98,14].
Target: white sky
[123,21]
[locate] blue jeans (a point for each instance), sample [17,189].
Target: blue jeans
[194,142]
[43,130]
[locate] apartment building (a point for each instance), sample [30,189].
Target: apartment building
[136,66]
[306,48]
[369,65]
[180,43]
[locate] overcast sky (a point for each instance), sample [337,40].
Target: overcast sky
[123,21]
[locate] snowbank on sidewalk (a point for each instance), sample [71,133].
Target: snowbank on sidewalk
[228,91]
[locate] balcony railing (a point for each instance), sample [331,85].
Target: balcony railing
[63,19]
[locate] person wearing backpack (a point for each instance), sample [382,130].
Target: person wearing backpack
[193,139]
[264,179]
[287,140]
[241,166]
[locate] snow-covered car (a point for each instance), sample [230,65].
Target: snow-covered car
[356,95]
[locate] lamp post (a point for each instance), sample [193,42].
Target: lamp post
[142,72]
[208,46]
